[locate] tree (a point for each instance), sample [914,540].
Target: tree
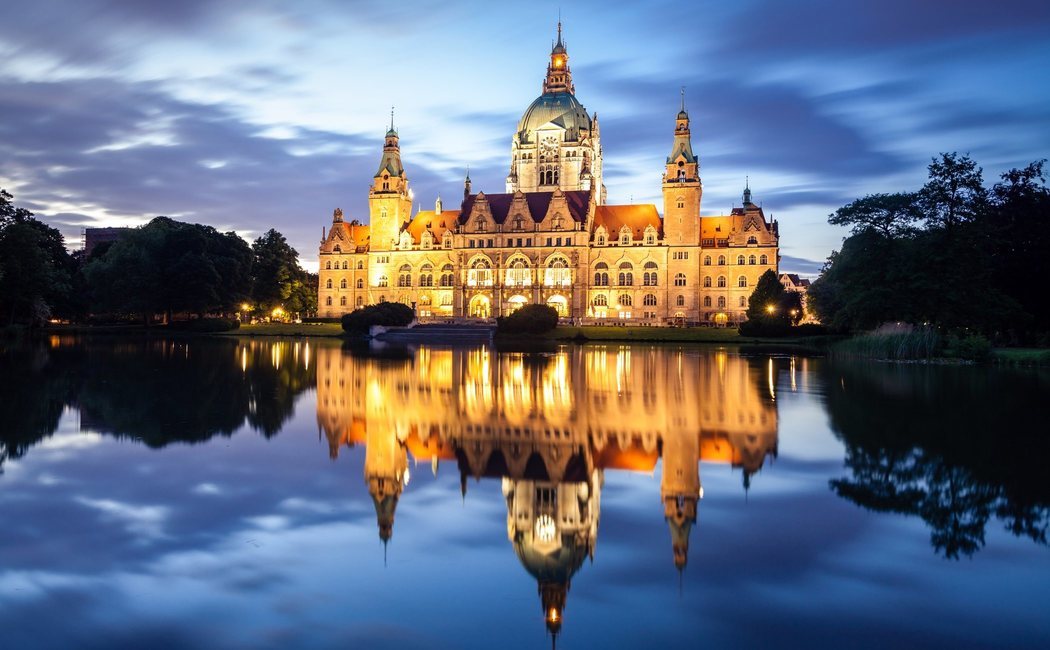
[530,319]
[35,268]
[388,314]
[764,303]
[276,270]
[954,193]
[891,215]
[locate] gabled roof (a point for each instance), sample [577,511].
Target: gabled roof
[635,217]
[537,203]
[350,237]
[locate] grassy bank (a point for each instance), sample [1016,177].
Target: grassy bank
[1022,356]
[288,329]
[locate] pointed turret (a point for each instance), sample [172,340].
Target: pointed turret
[390,205]
[747,191]
[682,188]
[559,77]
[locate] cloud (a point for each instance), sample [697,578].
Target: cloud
[144,522]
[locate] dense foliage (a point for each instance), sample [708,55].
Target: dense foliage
[955,254]
[530,319]
[166,268]
[36,272]
[771,310]
[388,314]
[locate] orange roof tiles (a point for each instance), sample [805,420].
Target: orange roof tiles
[636,217]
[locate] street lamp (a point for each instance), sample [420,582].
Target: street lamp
[771,308]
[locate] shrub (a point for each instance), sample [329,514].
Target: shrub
[387,314]
[972,348]
[530,319]
[901,344]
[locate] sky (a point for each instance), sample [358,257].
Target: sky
[251,116]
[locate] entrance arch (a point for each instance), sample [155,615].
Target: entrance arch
[560,304]
[480,307]
[514,303]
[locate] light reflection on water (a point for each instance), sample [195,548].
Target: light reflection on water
[724,488]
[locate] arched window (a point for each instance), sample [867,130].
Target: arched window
[763,260]
[721,281]
[680,301]
[743,301]
[447,277]
[328,265]
[404,276]
[480,273]
[518,274]
[600,301]
[384,281]
[752,240]
[328,301]
[707,301]
[480,225]
[721,260]
[721,302]
[649,276]
[740,259]
[328,284]
[625,236]
[599,239]
[707,260]
[601,274]
[707,281]
[360,265]
[557,273]
[360,283]
[360,301]
[650,237]
[342,301]
[751,260]
[342,283]
[679,280]
[446,240]
[346,265]
[649,300]
[741,282]
[426,275]
[625,300]
[626,276]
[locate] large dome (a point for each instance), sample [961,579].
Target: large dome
[561,108]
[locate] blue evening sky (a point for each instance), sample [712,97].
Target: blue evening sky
[271,114]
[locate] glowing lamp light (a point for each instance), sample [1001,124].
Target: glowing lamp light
[771,308]
[246,307]
[552,615]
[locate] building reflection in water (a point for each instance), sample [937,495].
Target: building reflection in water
[549,426]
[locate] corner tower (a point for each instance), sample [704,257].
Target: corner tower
[557,144]
[682,187]
[389,203]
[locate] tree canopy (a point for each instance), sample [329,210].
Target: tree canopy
[953,254]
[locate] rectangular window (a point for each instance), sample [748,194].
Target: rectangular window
[528,242]
[707,242]
[471,243]
[549,241]
[490,243]
[559,242]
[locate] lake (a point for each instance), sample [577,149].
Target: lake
[218,493]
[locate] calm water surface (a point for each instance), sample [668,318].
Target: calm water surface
[278,494]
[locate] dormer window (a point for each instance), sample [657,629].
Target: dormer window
[480,225]
[625,237]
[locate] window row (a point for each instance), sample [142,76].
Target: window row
[740,260]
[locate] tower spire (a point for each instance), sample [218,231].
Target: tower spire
[392,129]
[683,99]
[559,78]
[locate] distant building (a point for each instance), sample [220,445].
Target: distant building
[551,238]
[792,282]
[95,236]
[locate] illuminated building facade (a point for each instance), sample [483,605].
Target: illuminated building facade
[548,429]
[551,237]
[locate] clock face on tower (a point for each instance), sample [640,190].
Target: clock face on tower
[549,147]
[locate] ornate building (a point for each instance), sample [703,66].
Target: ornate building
[551,238]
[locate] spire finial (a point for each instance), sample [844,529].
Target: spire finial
[391,117]
[683,99]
